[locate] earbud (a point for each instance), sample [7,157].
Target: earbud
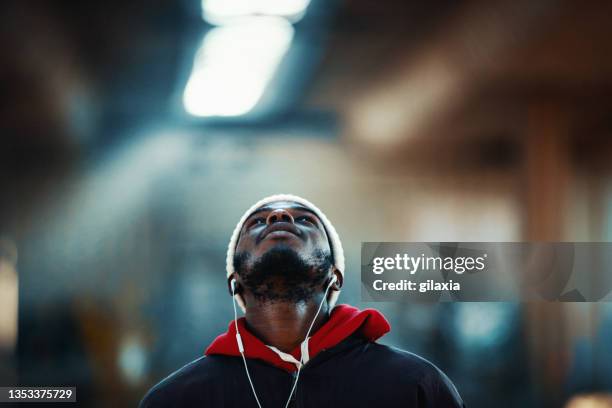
[333,280]
[233,285]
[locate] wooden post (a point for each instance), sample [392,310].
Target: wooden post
[547,174]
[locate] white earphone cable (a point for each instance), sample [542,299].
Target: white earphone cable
[297,377]
[241,346]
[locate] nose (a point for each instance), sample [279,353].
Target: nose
[279,215]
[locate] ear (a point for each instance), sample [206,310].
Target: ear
[234,277]
[339,279]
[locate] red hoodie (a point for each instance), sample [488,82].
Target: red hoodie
[343,321]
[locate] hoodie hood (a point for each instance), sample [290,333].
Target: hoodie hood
[344,321]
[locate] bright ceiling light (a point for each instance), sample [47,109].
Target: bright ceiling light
[222,11]
[234,64]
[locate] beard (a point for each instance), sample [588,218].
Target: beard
[282,275]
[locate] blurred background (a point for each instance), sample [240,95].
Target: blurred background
[135,133]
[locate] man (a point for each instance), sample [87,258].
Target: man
[285,268]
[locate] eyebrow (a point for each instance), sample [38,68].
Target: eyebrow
[294,207]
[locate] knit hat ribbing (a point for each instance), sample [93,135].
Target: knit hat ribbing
[332,235]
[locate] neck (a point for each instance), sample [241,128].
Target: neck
[284,324]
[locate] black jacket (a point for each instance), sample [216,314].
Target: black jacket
[354,373]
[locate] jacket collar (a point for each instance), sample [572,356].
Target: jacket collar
[343,322]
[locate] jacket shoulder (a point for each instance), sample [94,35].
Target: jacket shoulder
[408,368]
[188,383]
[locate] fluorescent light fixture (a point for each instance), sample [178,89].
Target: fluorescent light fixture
[222,11]
[234,64]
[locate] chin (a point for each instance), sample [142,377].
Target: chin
[277,245]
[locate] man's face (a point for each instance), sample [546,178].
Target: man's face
[283,252]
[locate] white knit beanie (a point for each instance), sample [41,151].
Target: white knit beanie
[332,235]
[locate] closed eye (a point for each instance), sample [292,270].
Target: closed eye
[305,218]
[257,221]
